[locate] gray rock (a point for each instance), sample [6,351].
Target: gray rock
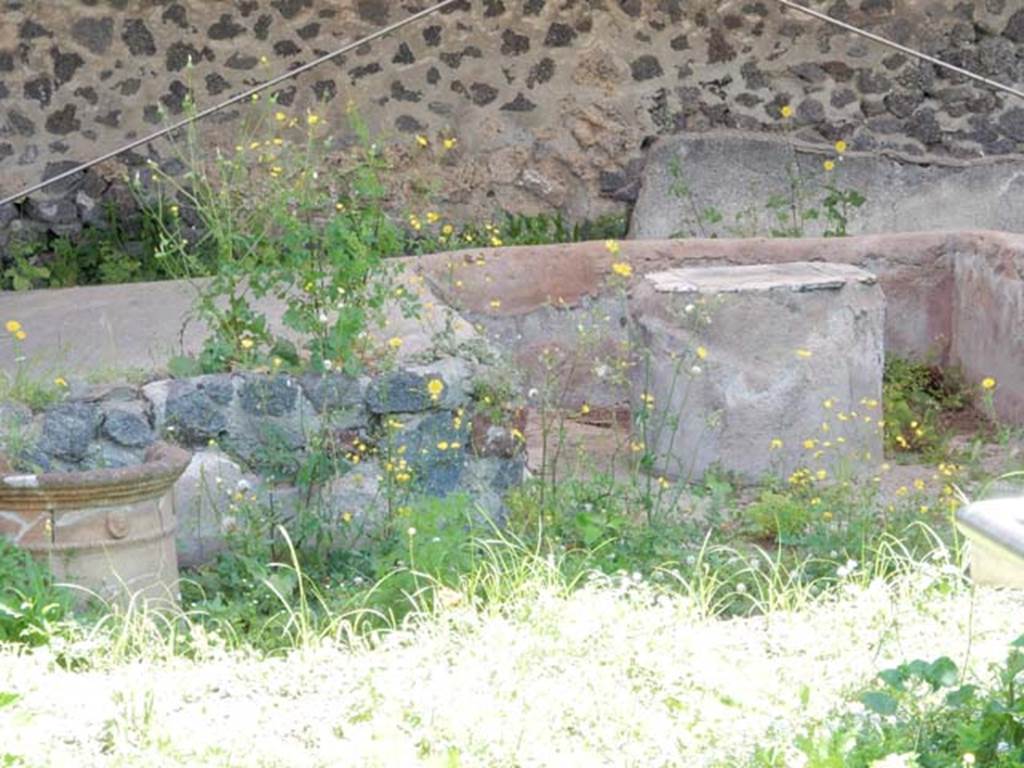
[106,393]
[68,430]
[457,376]
[107,455]
[191,416]
[339,400]
[268,395]
[736,173]
[409,390]
[219,387]
[399,392]
[334,391]
[488,481]
[203,498]
[58,211]
[127,429]
[435,446]
[89,210]
[355,503]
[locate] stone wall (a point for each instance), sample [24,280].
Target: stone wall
[553,103]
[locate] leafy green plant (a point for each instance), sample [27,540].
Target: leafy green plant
[837,209]
[778,515]
[926,708]
[915,397]
[114,251]
[30,603]
[276,223]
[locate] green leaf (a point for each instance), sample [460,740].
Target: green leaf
[961,696]
[942,673]
[7,698]
[880,703]
[894,678]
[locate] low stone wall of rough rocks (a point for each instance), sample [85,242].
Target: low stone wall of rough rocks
[411,430]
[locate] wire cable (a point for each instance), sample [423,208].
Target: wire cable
[902,48]
[243,96]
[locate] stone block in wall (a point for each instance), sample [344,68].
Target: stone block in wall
[435,445]
[68,430]
[735,174]
[488,480]
[338,399]
[203,498]
[252,415]
[759,370]
[442,384]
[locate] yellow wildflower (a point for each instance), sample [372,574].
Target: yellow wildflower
[786,111]
[495,303]
[776,443]
[622,269]
[449,143]
[840,146]
[60,381]
[312,119]
[804,353]
[447,230]
[247,343]
[423,141]
[829,165]
[280,117]
[442,445]
[433,216]
[12,326]
[434,388]
[988,383]
[612,246]
[702,353]
[20,335]
[394,342]
[584,409]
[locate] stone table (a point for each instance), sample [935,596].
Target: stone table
[759,370]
